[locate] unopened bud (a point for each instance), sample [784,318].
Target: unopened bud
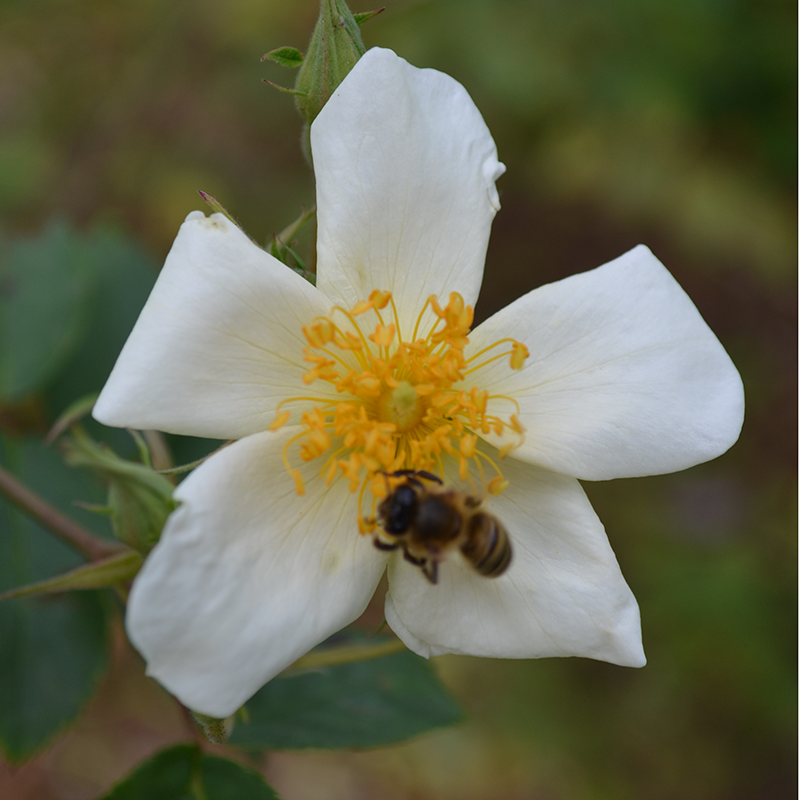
[334,48]
[139,498]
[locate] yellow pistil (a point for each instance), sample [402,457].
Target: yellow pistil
[402,404]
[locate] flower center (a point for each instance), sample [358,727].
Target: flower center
[403,405]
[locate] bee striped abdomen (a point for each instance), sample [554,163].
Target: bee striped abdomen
[487,547]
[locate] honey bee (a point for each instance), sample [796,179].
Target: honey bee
[428,520]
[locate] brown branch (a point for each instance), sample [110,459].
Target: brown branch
[68,531]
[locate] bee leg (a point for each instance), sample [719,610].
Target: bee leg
[412,473]
[385,545]
[429,476]
[417,562]
[399,472]
[431,571]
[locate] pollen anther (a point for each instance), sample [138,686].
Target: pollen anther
[405,406]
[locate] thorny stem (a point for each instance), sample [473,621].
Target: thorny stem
[68,531]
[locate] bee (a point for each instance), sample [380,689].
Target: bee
[428,520]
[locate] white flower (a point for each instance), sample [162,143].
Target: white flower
[624,379]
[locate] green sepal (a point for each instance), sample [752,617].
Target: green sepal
[141,446]
[284,89]
[180,469]
[73,413]
[334,48]
[140,498]
[214,729]
[217,207]
[95,508]
[281,251]
[362,16]
[115,569]
[285,253]
[289,57]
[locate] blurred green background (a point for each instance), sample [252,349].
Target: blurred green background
[668,122]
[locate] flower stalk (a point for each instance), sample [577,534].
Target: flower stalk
[67,530]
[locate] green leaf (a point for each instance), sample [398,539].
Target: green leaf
[363,704]
[285,56]
[54,649]
[124,277]
[185,773]
[53,654]
[225,780]
[45,298]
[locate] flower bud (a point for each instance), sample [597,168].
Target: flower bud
[334,48]
[139,498]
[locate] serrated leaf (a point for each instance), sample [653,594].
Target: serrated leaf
[46,288]
[285,56]
[363,704]
[54,649]
[186,773]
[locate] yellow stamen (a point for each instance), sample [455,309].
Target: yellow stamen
[379,299]
[383,335]
[520,353]
[497,485]
[404,406]
[280,420]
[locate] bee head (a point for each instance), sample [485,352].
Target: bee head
[397,510]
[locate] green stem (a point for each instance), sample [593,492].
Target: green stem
[68,531]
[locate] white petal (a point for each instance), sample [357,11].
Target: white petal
[218,343]
[624,377]
[248,576]
[405,169]
[562,595]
